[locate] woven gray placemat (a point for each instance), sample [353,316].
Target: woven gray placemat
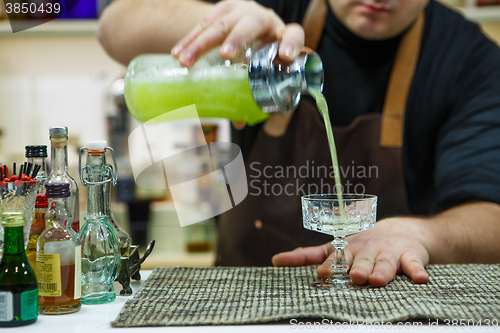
[181,296]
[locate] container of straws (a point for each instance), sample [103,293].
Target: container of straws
[18,193]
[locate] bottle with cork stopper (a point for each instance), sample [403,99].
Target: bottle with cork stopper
[101,249]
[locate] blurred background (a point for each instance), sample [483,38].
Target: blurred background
[57,74]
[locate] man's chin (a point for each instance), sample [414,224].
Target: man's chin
[370,29]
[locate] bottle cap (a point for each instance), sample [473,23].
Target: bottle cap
[57,190]
[36,151]
[58,130]
[96,145]
[41,201]
[13,219]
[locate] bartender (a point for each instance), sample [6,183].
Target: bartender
[414,93]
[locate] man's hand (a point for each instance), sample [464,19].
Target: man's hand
[395,245]
[235,24]
[407,244]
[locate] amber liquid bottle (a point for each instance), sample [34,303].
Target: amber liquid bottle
[58,256]
[37,228]
[18,285]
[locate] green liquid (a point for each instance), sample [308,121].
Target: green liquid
[323,110]
[221,93]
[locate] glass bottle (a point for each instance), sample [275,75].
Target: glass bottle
[99,195]
[58,256]
[18,284]
[59,173]
[37,227]
[100,260]
[37,155]
[1,242]
[124,239]
[246,89]
[100,246]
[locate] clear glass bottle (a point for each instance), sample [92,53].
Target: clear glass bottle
[124,239]
[1,242]
[100,245]
[100,260]
[246,89]
[59,172]
[18,284]
[58,256]
[37,155]
[101,174]
[37,227]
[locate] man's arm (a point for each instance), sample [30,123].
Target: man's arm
[190,28]
[464,234]
[128,28]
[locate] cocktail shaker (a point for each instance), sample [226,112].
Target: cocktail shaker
[276,86]
[247,88]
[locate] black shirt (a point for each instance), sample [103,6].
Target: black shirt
[451,147]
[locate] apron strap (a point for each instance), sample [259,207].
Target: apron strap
[314,22]
[392,122]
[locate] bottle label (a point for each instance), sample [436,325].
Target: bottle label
[6,306]
[49,274]
[63,248]
[78,272]
[29,305]
[31,247]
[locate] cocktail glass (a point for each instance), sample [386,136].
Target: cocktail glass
[339,217]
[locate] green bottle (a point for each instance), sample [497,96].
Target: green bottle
[18,285]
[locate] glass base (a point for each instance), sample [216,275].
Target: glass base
[100,298]
[59,309]
[337,284]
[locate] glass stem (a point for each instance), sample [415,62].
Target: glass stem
[339,264]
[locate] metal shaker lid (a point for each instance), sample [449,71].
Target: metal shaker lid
[276,86]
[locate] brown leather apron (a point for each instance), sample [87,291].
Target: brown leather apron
[290,158]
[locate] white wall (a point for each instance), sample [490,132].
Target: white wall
[53,81]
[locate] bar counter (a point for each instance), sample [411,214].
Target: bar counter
[97,318]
